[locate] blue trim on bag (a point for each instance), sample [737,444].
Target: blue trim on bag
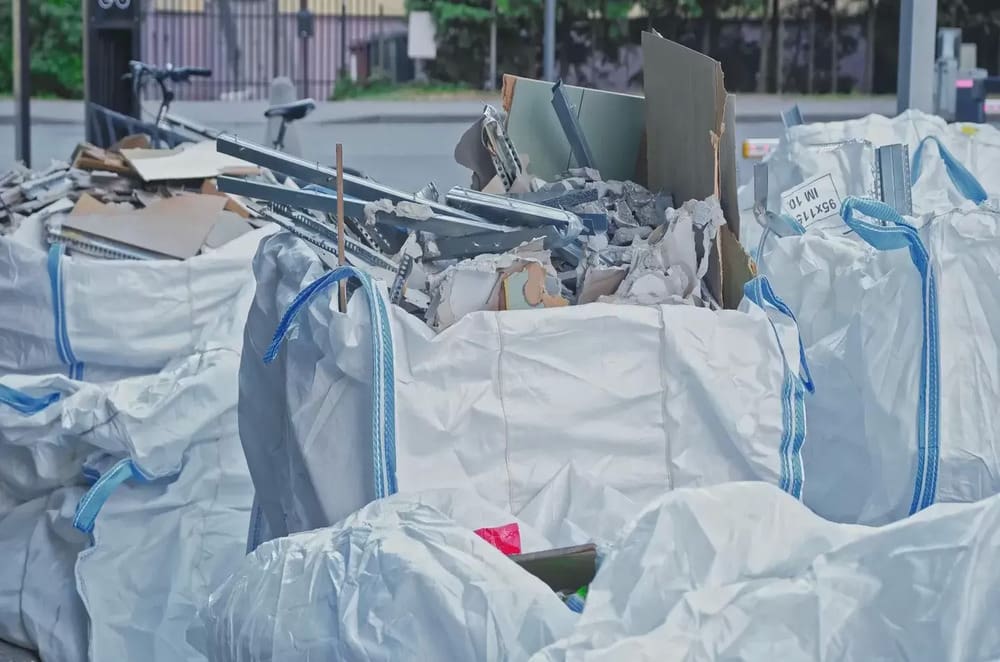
[793,389]
[23,403]
[383,371]
[59,313]
[896,234]
[91,503]
[964,181]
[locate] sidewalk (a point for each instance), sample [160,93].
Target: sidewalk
[223,114]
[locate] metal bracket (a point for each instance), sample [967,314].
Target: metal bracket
[457,248]
[438,224]
[893,177]
[571,127]
[502,151]
[314,173]
[399,283]
[511,211]
[792,117]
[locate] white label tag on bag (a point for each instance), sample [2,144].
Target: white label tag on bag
[813,201]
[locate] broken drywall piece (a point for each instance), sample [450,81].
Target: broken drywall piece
[403,209]
[529,287]
[653,288]
[474,284]
[600,281]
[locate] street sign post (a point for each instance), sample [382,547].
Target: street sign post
[22,82]
[917,34]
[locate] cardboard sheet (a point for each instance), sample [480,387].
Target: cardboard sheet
[691,148]
[612,122]
[191,161]
[173,227]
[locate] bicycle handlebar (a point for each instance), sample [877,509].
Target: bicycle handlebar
[141,70]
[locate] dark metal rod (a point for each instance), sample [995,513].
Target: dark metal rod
[571,127]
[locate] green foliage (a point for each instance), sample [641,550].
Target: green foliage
[56,48]
[380,86]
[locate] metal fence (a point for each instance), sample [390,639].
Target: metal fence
[247,43]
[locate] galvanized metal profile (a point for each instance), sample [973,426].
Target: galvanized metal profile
[561,198]
[894,179]
[321,235]
[504,155]
[399,282]
[792,117]
[314,173]
[457,248]
[510,211]
[760,188]
[439,224]
[571,127]
[193,127]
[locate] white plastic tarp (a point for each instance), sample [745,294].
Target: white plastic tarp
[743,572]
[652,398]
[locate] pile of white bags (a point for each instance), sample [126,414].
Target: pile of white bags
[348,592]
[361,405]
[737,571]
[118,384]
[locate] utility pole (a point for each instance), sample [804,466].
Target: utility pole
[549,43]
[491,83]
[915,77]
[22,82]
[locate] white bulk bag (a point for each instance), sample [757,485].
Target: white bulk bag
[40,609]
[169,507]
[902,338]
[743,572]
[104,319]
[962,164]
[395,582]
[651,398]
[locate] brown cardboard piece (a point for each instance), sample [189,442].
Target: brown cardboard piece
[690,148]
[173,227]
[91,157]
[235,203]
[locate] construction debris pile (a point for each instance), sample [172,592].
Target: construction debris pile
[574,240]
[127,202]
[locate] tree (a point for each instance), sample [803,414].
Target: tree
[56,48]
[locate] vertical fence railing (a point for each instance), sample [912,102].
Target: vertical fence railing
[247,43]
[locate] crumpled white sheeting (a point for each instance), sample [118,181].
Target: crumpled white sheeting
[396,581]
[744,572]
[39,606]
